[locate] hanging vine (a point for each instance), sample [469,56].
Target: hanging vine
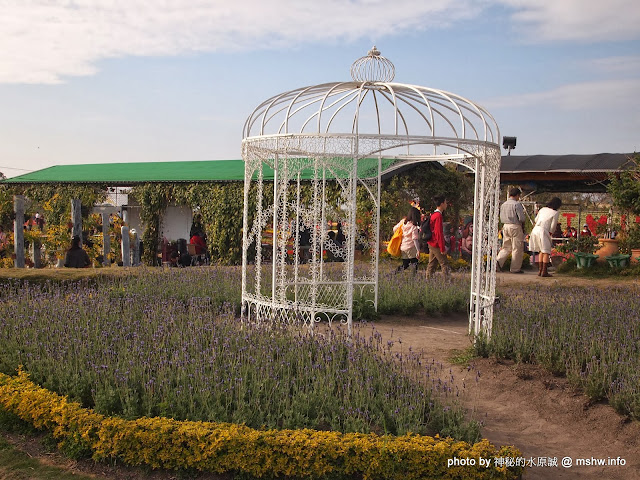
[154,199]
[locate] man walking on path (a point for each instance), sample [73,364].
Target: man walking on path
[436,244]
[512,217]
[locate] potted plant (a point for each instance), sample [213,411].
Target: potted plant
[629,242]
[558,256]
[624,188]
[582,248]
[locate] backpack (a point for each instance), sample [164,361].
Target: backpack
[425,234]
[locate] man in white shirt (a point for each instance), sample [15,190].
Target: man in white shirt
[512,217]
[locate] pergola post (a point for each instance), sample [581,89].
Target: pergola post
[136,250]
[125,244]
[36,253]
[106,240]
[18,230]
[76,219]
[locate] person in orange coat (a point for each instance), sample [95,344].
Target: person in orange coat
[410,248]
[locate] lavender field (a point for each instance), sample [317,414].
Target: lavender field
[591,335]
[169,343]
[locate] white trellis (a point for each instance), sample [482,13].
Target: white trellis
[350,134]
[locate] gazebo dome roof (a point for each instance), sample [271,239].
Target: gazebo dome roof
[372,105]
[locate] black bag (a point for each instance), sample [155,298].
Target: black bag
[425,235]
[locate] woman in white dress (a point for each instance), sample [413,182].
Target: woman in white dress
[540,239]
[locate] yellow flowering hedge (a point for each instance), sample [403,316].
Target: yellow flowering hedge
[221,447]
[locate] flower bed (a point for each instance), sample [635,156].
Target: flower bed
[218,447]
[164,343]
[590,335]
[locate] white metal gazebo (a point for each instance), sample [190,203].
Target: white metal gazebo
[349,134]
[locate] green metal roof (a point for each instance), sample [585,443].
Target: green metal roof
[125,174]
[139,172]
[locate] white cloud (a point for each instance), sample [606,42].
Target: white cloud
[606,94]
[620,65]
[576,20]
[44,41]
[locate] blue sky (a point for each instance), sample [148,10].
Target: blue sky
[171,80]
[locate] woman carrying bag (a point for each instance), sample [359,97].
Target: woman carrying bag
[409,247]
[540,238]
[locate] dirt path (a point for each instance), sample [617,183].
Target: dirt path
[527,407]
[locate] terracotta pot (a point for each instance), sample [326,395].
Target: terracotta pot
[608,247]
[635,255]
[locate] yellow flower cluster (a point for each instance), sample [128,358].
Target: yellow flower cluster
[220,447]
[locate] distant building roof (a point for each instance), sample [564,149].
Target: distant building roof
[601,162]
[562,173]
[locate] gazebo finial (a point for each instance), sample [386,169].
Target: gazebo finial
[373,68]
[374,52]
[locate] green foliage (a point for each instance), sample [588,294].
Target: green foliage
[221,209]
[630,239]
[55,199]
[11,423]
[406,293]
[154,199]
[424,182]
[583,244]
[624,187]
[463,357]
[598,270]
[6,207]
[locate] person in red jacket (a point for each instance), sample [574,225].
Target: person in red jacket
[436,244]
[198,240]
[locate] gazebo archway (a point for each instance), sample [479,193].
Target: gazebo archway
[352,133]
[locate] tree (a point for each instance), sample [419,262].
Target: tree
[424,182]
[624,187]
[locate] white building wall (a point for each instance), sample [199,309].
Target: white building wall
[176,223]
